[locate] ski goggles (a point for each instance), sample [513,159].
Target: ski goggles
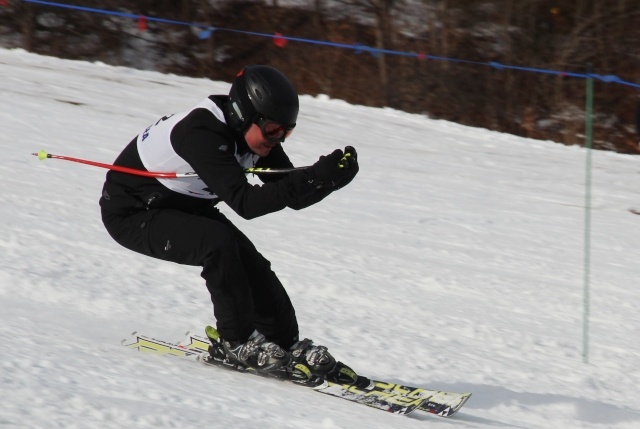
[274,132]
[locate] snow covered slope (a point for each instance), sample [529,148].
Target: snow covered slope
[454,260]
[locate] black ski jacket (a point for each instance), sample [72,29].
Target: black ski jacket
[197,139]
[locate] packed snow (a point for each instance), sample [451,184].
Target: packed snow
[455,261]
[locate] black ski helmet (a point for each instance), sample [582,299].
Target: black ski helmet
[261,91]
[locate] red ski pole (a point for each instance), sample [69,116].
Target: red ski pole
[42,155]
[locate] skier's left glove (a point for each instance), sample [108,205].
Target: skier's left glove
[349,163]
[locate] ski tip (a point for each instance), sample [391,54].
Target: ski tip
[454,409]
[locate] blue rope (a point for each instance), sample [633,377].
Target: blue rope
[358,48]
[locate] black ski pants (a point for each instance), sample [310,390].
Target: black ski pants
[245,292]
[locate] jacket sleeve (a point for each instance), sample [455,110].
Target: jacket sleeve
[279,159]
[211,154]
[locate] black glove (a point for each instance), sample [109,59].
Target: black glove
[349,163]
[327,170]
[335,170]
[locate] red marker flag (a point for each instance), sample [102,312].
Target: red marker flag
[279,41]
[142,23]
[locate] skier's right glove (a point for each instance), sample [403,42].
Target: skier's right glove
[328,171]
[349,163]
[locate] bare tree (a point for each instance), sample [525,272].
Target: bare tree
[28,22]
[381,13]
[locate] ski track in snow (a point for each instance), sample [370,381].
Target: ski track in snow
[455,260]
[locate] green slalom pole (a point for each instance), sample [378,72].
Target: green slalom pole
[587,217]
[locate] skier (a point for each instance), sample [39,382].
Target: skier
[177,219]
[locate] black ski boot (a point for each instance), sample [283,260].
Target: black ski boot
[256,353]
[321,364]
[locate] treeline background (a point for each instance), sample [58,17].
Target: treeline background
[561,35]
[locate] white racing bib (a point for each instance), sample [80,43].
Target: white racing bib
[157,154]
